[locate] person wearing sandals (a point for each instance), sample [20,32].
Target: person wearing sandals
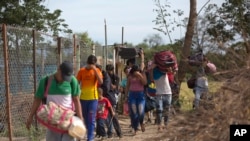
[135,86]
[163,95]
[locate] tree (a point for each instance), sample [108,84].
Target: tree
[153,40]
[86,44]
[230,21]
[188,41]
[165,24]
[32,14]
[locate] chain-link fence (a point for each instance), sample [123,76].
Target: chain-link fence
[29,55]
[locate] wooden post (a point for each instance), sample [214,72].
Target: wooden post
[78,59]
[7,87]
[34,67]
[59,48]
[74,53]
[106,46]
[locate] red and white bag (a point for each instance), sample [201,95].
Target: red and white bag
[211,67]
[55,117]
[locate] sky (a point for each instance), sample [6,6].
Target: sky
[135,16]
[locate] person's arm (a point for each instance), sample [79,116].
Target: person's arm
[106,86]
[151,70]
[127,86]
[112,111]
[75,92]
[78,108]
[35,105]
[36,102]
[79,76]
[97,74]
[117,80]
[142,77]
[142,60]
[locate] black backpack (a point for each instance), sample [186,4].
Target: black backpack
[150,103]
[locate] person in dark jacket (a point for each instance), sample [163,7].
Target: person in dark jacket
[112,96]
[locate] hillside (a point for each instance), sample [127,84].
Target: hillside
[229,105]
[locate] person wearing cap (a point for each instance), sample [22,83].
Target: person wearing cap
[63,90]
[89,77]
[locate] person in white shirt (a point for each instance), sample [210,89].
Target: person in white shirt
[163,95]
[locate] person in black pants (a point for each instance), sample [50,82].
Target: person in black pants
[113,121]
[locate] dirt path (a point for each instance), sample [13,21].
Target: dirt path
[151,133]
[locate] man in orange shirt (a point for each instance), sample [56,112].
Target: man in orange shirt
[89,78]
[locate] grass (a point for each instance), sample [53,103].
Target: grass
[19,130]
[187,95]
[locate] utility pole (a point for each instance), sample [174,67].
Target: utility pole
[106,46]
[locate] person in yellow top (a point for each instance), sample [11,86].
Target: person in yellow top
[89,78]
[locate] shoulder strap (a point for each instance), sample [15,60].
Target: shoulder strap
[71,85]
[47,85]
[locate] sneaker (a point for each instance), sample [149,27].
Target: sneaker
[143,128]
[97,136]
[103,137]
[120,136]
[110,136]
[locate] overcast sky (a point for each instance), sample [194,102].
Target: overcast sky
[135,16]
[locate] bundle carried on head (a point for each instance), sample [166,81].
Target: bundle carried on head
[165,59]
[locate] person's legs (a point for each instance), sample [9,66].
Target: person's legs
[54,136]
[109,125]
[101,127]
[89,108]
[159,109]
[84,105]
[67,137]
[92,118]
[117,126]
[133,111]
[203,98]
[166,107]
[97,130]
[50,135]
[140,104]
[197,93]
[148,117]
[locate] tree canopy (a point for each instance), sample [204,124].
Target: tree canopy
[32,14]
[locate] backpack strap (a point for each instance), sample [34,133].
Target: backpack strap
[48,80]
[72,104]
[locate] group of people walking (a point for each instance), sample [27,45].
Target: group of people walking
[93,96]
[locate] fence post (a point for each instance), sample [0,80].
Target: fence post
[93,49]
[78,59]
[74,54]
[34,66]
[59,47]
[7,88]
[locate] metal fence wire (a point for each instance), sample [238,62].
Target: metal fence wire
[31,55]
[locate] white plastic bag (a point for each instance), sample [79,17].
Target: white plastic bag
[77,129]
